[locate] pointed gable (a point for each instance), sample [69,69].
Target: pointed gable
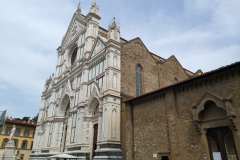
[76,25]
[171,69]
[97,47]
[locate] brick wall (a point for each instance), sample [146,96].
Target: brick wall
[162,122]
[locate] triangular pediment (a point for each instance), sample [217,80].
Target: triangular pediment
[97,47]
[76,26]
[95,92]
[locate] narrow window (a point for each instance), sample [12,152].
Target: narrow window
[175,80]
[17,132]
[80,96]
[79,81]
[115,61]
[76,98]
[74,55]
[26,133]
[90,75]
[101,68]
[73,127]
[139,80]
[82,51]
[97,69]
[83,38]
[8,131]
[108,60]
[24,144]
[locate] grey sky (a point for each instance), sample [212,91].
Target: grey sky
[202,34]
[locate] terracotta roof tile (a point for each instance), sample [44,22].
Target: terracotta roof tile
[31,123]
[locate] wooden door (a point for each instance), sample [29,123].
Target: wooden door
[221,140]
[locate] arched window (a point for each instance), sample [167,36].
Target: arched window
[24,144]
[74,55]
[175,80]
[115,80]
[5,140]
[139,80]
[115,61]
[108,60]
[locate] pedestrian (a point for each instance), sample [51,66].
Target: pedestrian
[87,157]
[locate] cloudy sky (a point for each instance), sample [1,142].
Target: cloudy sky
[202,34]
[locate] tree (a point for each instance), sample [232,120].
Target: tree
[17,118]
[34,119]
[25,118]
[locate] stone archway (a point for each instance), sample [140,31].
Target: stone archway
[215,119]
[64,112]
[212,111]
[65,105]
[93,111]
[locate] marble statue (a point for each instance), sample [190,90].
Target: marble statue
[12,133]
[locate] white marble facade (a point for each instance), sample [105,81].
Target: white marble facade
[83,94]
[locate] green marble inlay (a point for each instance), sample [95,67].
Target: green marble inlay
[74,148]
[110,145]
[45,151]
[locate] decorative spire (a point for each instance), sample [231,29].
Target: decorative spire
[79,8]
[119,26]
[94,7]
[113,25]
[113,30]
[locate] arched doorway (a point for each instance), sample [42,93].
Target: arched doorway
[64,110]
[220,138]
[94,111]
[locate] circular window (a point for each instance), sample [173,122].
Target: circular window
[74,55]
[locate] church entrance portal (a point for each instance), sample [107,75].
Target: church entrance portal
[221,143]
[95,133]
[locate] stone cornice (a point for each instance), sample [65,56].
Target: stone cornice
[112,68]
[90,15]
[110,42]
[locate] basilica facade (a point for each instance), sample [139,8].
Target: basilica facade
[80,109]
[85,108]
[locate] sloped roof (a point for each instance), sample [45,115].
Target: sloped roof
[206,74]
[30,123]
